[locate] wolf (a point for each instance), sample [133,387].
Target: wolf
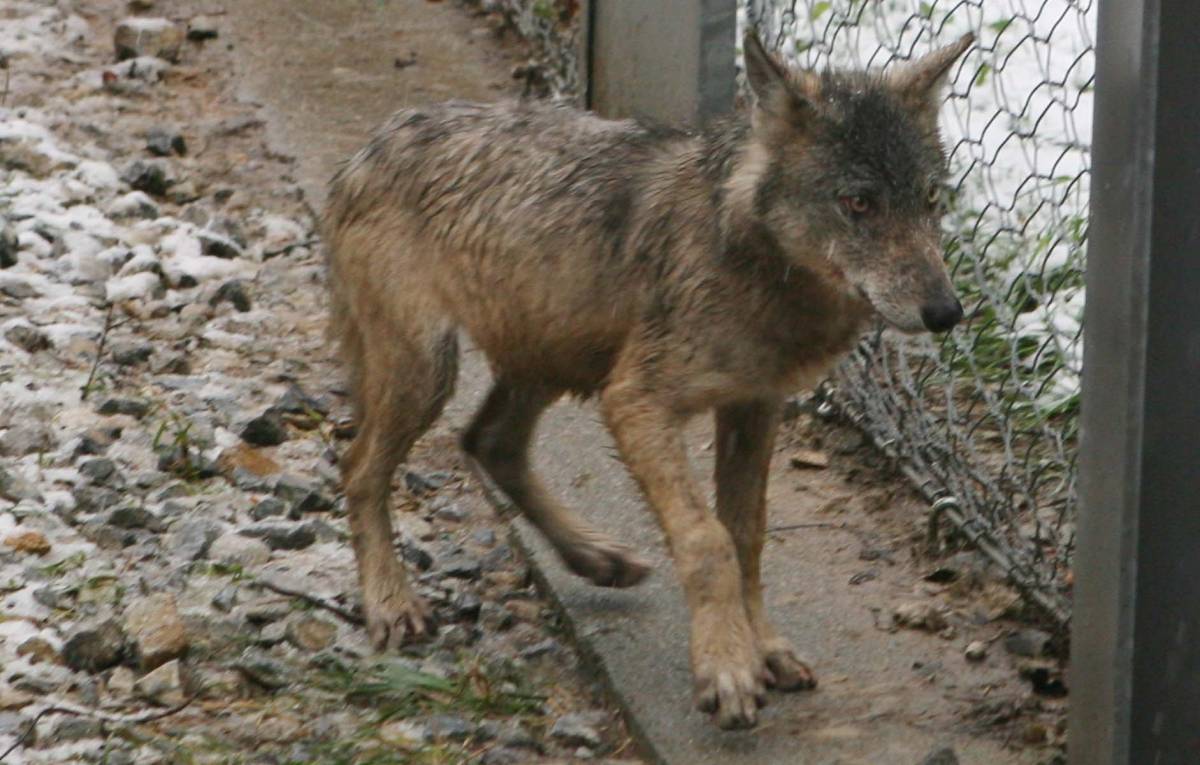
[665,272]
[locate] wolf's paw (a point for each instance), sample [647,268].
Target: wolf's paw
[396,615]
[729,684]
[785,671]
[605,562]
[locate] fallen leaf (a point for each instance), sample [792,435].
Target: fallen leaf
[29,541]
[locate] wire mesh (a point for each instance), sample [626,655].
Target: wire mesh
[552,28]
[986,420]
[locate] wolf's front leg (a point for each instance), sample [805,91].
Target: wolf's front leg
[726,663]
[745,441]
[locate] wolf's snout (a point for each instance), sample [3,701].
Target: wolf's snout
[943,315]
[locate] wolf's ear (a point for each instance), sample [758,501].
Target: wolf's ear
[778,92]
[920,82]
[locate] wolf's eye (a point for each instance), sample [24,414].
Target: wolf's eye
[857,205]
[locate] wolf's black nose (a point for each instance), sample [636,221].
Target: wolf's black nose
[941,317]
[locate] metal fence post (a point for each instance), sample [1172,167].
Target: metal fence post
[671,60]
[1135,667]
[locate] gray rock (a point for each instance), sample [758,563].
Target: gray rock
[272,634]
[267,429]
[69,729]
[131,517]
[226,599]
[265,610]
[191,538]
[497,559]
[941,756]
[253,483]
[325,532]
[14,488]
[450,728]
[9,246]
[461,566]
[302,495]
[157,633]
[235,293]
[543,648]
[262,670]
[163,143]
[238,550]
[18,290]
[50,596]
[135,204]
[120,682]
[282,536]
[15,724]
[503,755]
[1030,643]
[516,735]
[976,650]
[131,354]
[484,537]
[456,636]
[452,512]
[218,246]
[202,28]
[183,191]
[295,401]
[137,36]
[94,441]
[99,533]
[466,606]
[419,484]
[577,730]
[95,648]
[151,177]
[162,685]
[98,469]
[415,555]
[173,364]
[20,440]
[128,406]
[28,339]
[94,499]
[270,507]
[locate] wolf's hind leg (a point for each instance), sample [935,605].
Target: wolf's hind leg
[498,441]
[745,440]
[402,378]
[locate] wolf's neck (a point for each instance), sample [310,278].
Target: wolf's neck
[801,308]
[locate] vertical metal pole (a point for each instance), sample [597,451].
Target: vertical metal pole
[670,60]
[583,53]
[1135,668]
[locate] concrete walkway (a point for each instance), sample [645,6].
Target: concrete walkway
[325,71]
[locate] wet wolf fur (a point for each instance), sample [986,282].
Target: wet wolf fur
[666,272]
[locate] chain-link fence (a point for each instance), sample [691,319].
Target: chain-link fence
[985,421]
[552,28]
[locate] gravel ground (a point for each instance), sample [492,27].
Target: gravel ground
[175,581]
